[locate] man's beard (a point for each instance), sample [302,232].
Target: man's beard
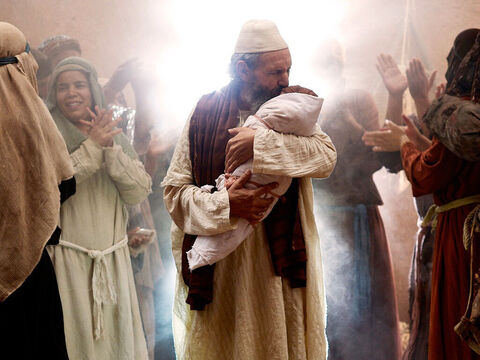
[255,95]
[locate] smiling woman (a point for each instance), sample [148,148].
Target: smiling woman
[73,96]
[102,318]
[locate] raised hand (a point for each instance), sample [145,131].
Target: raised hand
[440,90]
[102,128]
[419,83]
[247,203]
[393,79]
[123,74]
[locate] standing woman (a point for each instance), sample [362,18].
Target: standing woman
[449,168]
[102,319]
[35,175]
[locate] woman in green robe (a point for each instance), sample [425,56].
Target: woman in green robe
[92,263]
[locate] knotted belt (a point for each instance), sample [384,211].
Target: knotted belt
[467,328]
[102,285]
[471,224]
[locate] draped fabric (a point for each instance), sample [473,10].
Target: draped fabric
[34,161]
[420,286]
[362,320]
[254,313]
[437,170]
[102,317]
[214,115]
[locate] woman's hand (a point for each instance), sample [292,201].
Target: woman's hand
[390,138]
[135,240]
[440,90]
[419,83]
[395,82]
[102,128]
[420,141]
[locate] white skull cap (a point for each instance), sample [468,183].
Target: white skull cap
[259,36]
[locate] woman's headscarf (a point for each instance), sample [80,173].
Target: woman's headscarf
[33,162]
[72,135]
[463,72]
[453,118]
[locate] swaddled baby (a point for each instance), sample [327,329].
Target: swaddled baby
[291,113]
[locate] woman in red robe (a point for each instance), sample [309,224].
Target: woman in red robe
[450,170]
[437,170]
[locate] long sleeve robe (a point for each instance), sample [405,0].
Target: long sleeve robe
[362,317]
[437,170]
[95,218]
[254,314]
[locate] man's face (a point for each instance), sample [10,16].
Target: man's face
[269,77]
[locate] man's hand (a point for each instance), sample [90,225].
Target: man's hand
[246,203]
[395,82]
[239,147]
[298,89]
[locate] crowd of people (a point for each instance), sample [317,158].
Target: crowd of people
[268,264]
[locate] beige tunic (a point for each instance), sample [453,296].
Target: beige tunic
[254,314]
[95,218]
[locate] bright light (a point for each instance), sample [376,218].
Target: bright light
[195,59]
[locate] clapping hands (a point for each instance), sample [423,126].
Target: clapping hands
[102,128]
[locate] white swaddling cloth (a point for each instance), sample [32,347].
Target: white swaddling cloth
[291,113]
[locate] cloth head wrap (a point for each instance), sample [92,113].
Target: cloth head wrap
[53,45]
[464,64]
[12,59]
[33,160]
[72,135]
[259,36]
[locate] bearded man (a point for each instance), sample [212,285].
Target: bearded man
[266,299]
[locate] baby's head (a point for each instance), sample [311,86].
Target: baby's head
[292,113]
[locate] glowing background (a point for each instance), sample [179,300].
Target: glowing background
[188,44]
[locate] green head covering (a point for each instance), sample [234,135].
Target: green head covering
[72,135]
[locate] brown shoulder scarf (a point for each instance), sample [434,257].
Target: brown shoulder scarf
[214,115]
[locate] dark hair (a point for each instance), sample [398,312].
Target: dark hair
[44,66]
[251,59]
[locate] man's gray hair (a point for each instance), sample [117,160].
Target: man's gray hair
[251,59]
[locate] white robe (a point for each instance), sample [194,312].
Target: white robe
[254,314]
[95,218]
